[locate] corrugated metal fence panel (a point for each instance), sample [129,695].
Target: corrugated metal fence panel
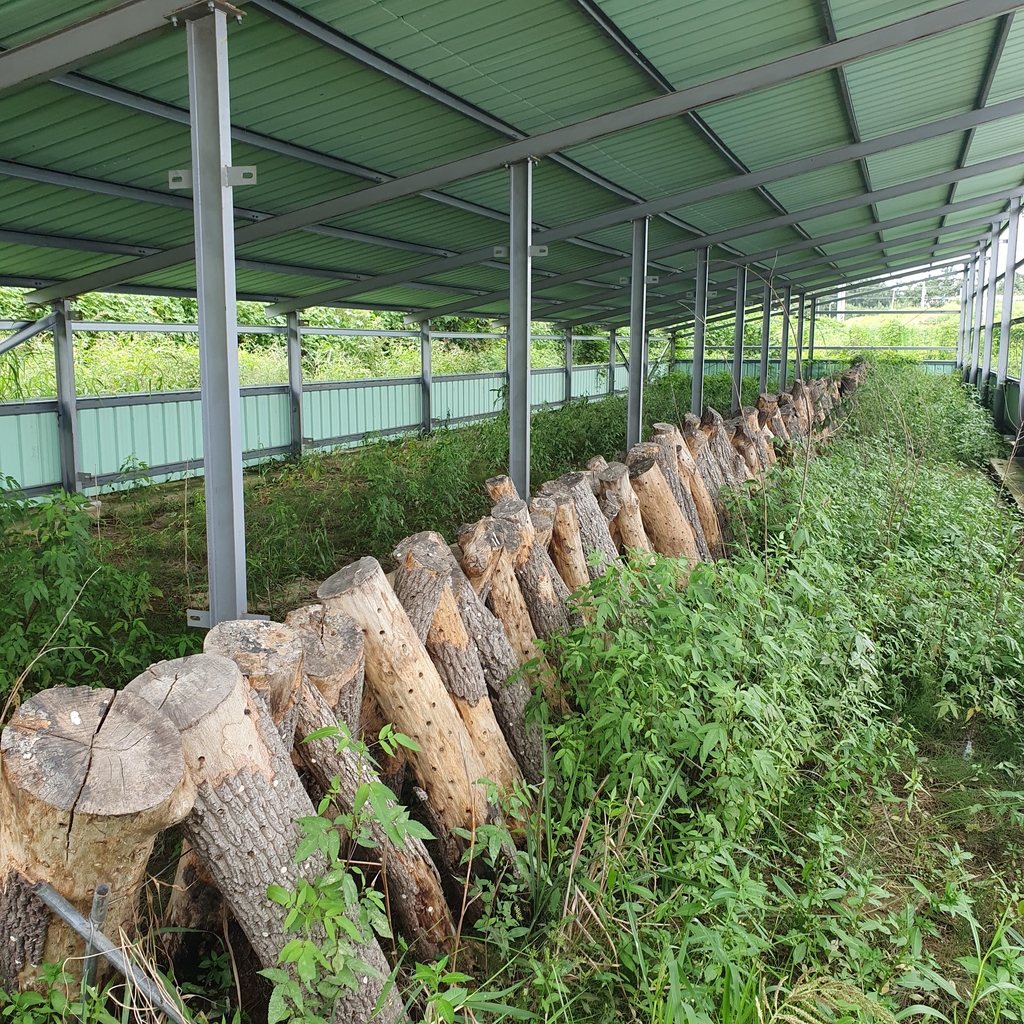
[332,413]
[621,377]
[589,380]
[266,420]
[547,387]
[466,396]
[29,452]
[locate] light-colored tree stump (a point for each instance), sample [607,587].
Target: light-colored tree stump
[332,646]
[595,467]
[597,544]
[87,781]
[270,657]
[423,585]
[413,886]
[769,417]
[668,531]
[248,800]
[761,441]
[707,464]
[566,547]
[663,451]
[614,480]
[734,469]
[690,474]
[542,515]
[499,487]
[409,690]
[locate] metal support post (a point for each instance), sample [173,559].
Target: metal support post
[568,366]
[519,270]
[700,323]
[1003,363]
[787,301]
[611,361]
[213,208]
[963,316]
[647,355]
[97,917]
[426,379]
[972,281]
[67,401]
[737,338]
[800,337]
[979,284]
[810,337]
[672,360]
[294,340]
[990,311]
[766,333]
[637,333]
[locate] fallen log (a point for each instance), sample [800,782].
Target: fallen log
[88,779]
[332,659]
[614,480]
[248,800]
[663,521]
[270,657]
[423,586]
[406,684]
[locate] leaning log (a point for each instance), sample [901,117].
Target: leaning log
[734,469]
[88,779]
[566,547]
[663,522]
[662,449]
[409,690]
[707,464]
[690,473]
[598,548]
[615,481]
[248,800]
[423,585]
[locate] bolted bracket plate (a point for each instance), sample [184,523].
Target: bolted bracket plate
[193,12]
[181,178]
[234,177]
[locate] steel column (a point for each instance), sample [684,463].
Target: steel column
[519,271]
[637,333]
[766,331]
[787,301]
[611,361]
[979,284]
[963,315]
[700,321]
[990,309]
[1003,363]
[672,343]
[294,342]
[737,338]
[800,337]
[213,207]
[810,337]
[972,279]
[67,401]
[568,366]
[426,378]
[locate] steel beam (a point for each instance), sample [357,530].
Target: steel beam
[521,212]
[637,331]
[84,41]
[426,377]
[210,105]
[766,328]
[700,321]
[737,337]
[67,397]
[293,339]
[788,69]
[990,309]
[26,329]
[787,308]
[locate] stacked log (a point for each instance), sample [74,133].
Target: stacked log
[596,541]
[614,481]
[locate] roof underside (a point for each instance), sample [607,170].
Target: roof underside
[83,177]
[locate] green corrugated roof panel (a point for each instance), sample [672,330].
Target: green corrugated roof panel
[992,210]
[769,127]
[728,212]
[893,234]
[996,139]
[986,183]
[917,201]
[34,261]
[1008,80]
[916,161]
[916,84]
[24,20]
[807,190]
[839,221]
[852,17]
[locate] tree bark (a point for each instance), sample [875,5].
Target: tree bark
[88,779]
[662,449]
[757,435]
[663,521]
[615,481]
[542,515]
[332,661]
[769,416]
[694,480]
[736,431]
[499,487]
[248,800]
[423,585]
[707,465]
[734,469]
[566,548]
[593,528]
[270,657]
[413,885]
[410,692]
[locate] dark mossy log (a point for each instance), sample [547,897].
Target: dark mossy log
[545,593]
[423,583]
[662,449]
[270,657]
[487,560]
[332,646]
[88,779]
[614,480]
[499,487]
[707,464]
[596,541]
[757,436]
[691,476]
[248,800]
[668,531]
[566,547]
[410,692]
[412,883]
[734,469]
[769,416]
